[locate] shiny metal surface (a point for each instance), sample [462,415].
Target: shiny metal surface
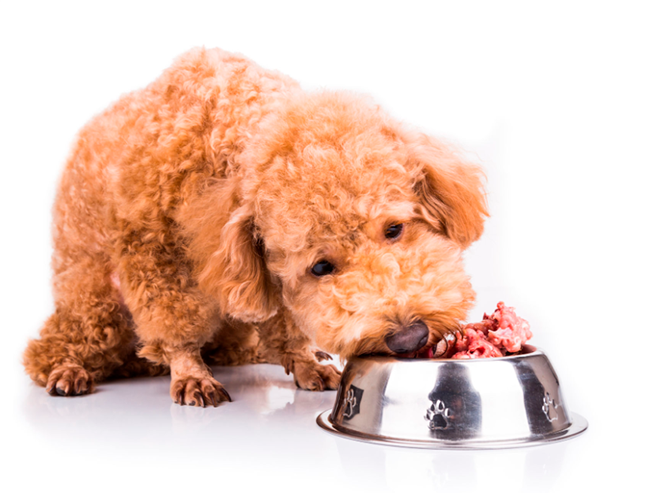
[446,403]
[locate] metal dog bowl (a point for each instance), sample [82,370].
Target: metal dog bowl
[512,401]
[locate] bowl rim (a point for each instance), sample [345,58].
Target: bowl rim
[529,348]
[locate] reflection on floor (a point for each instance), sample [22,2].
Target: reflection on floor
[266,435]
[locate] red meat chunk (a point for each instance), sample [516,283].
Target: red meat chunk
[499,334]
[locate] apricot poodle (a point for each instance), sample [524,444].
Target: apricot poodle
[222,214]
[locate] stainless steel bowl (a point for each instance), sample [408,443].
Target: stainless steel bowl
[504,402]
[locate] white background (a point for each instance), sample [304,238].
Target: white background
[552,98]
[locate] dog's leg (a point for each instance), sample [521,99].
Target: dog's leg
[88,336]
[236,343]
[173,318]
[281,342]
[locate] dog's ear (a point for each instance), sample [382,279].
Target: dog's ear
[236,274]
[229,255]
[450,189]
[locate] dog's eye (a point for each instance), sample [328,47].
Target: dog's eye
[393,231]
[322,268]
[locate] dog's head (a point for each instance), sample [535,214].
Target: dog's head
[354,224]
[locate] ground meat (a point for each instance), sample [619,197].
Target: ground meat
[475,345]
[499,334]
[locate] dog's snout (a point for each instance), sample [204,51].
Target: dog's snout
[409,339]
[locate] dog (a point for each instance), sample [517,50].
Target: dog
[223,214]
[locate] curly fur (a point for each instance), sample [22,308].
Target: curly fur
[190,214]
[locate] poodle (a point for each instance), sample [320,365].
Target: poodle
[222,214]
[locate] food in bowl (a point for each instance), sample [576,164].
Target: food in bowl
[501,334]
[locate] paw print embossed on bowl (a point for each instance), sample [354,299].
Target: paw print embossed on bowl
[452,403]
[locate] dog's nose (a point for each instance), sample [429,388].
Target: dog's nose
[409,339]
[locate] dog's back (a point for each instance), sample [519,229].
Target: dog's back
[130,168]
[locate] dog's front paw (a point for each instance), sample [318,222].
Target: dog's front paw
[310,375]
[68,380]
[201,392]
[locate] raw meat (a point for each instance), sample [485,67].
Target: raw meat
[499,334]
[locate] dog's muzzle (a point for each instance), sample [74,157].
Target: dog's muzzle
[409,339]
